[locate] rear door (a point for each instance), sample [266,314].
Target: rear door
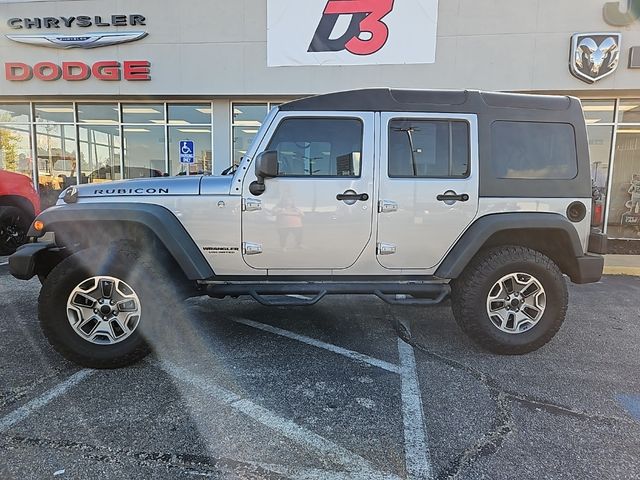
[428,186]
[318,213]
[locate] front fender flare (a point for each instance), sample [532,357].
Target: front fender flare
[156,218]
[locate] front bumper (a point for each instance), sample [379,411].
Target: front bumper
[22,264]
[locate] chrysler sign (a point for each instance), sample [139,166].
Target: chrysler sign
[351,32]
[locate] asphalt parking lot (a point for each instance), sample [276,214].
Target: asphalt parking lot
[328,392]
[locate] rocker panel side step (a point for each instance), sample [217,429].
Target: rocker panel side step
[312,293]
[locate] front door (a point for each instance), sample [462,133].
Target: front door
[317,214]
[428,187]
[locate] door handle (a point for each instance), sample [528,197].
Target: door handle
[451,196]
[352,196]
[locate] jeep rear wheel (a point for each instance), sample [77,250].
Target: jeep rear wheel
[510,300]
[14,224]
[95,304]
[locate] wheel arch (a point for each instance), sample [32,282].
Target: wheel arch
[81,226]
[19,202]
[549,233]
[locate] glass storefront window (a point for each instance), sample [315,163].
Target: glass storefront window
[54,112]
[143,113]
[201,136]
[15,113]
[247,119]
[57,159]
[249,114]
[629,111]
[624,207]
[144,151]
[599,111]
[99,153]
[103,113]
[15,149]
[190,114]
[600,138]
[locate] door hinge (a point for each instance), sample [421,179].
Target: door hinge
[249,248]
[386,248]
[387,206]
[251,204]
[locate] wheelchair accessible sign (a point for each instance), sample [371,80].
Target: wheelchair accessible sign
[187,156]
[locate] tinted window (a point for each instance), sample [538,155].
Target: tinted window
[529,150]
[318,147]
[428,149]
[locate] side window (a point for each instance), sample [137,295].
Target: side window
[428,148]
[534,150]
[329,147]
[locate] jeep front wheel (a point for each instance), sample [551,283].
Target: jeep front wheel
[95,304]
[510,300]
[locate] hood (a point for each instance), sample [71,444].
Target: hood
[142,187]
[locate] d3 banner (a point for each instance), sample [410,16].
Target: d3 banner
[351,32]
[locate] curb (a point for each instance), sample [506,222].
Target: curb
[631,271]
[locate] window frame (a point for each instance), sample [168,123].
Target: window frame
[324,117]
[422,118]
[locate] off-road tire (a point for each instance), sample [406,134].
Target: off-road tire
[470,292]
[123,262]
[14,225]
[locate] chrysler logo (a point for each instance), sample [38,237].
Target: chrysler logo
[595,56]
[83,40]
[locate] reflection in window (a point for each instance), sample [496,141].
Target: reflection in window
[629,111]
[54,112]
[180,114]
[600,138]
[99,153]
[14,113]
[143,113]
[318,147]
[246,120]
[57,157]
[201,137]
[598,111]
[15,149]
[104,113]
[624,207]
[144,151]
[428,149]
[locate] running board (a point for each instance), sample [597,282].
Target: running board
[304,294]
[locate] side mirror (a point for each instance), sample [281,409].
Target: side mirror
[266,165]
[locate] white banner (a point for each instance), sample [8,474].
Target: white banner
[351,32]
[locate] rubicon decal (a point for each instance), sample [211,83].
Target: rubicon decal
[351,32]
[366,18]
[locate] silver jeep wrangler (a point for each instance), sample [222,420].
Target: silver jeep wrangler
[411,196]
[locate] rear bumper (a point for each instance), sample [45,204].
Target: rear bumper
[22,264]
[588,269]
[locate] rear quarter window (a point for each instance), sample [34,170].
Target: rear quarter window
[534,150]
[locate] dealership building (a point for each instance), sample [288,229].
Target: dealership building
[92,91]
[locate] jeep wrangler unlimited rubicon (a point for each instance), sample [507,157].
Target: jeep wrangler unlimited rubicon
[411,196]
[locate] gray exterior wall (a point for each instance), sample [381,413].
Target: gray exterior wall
[218,48]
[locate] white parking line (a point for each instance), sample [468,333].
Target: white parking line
[416,447]
[360,357]
[27,409]
[353,463]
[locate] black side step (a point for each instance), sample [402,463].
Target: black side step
[312,293]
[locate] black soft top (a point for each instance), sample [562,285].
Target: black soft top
[391,100]
[490,107]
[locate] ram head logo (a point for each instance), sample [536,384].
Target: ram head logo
[595,55]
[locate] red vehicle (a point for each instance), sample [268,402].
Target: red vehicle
[19,205]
